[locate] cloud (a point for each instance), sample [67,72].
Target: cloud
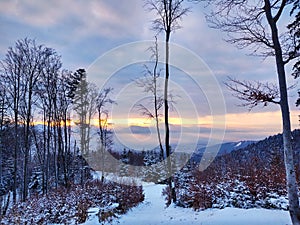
[83,30]
[80,18]
[79,30]
[36,13]
[224,59]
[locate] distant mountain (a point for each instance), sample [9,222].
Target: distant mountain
[224,149]
[140,130]
[228,147]
[243,151]
[267,148]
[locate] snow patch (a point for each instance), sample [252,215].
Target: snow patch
[238,144]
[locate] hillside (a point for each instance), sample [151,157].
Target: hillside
[253,176]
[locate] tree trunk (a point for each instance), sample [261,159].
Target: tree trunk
[292,187]
[65,153]
[102,146]
[47,175]
[156,101]
[15,159]
[27,141]
[16,141]
[44,165]
[1,144]
[157,125]
[55,166]
[167,128]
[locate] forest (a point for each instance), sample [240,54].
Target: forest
[58,154]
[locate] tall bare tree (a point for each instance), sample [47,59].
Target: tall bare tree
[12,67]
[102,100]
[91,109]
[64,104]
[39,60]
[22,68]
[150,84]
[169,14]
[256,24]
[3,120]
[5,154]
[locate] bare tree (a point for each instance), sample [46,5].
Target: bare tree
[150,84]
[12,67]
[64,108]
[92,108]
[4,156]
[255,24]
[33,88]
[169,13]
[47,92]
[3,119]
[39,59]
[23,67]
[101,103]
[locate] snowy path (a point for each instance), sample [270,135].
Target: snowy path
[153,212]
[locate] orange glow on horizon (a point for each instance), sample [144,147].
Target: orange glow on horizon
[247,120]
[69,123]
[253,120]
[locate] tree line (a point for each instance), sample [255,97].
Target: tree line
[38,103]
[33,83]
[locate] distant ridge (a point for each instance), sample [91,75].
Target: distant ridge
[264,149]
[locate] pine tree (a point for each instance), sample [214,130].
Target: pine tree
[80,102]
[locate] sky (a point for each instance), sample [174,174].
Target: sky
[110,38]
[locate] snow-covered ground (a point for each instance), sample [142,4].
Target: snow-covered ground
[153,212]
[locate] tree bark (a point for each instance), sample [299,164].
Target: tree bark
[16,143]
[27,135]
[292,187]
[167,128]
[156,100]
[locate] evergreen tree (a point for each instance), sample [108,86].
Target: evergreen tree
[80,106]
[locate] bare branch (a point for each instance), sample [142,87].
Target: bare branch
[245,23]
[296,70]
[144,111]
[168,13]
[253,93]
[283,4]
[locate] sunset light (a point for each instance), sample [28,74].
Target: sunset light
[147,112]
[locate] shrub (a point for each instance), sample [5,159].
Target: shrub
[70,206]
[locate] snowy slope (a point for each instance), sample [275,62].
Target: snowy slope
[153,212]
